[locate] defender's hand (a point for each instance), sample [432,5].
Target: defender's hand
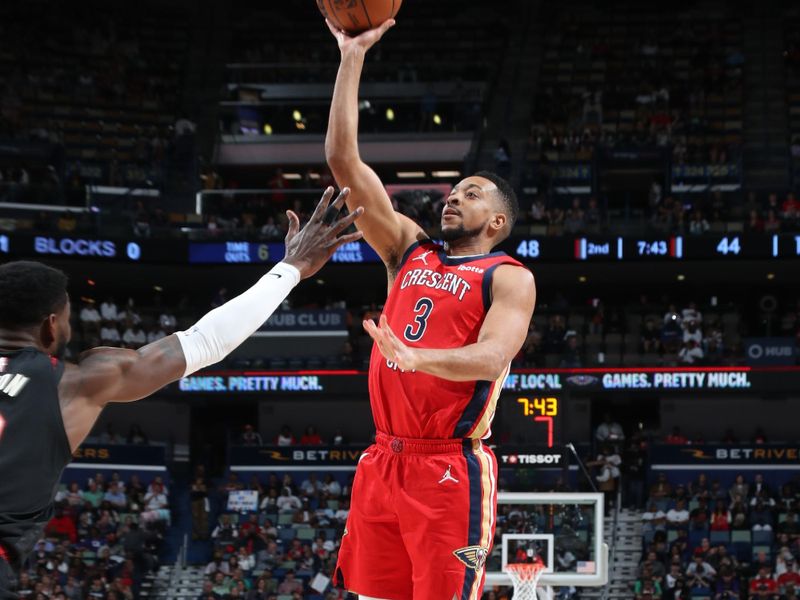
[309,248]
[390,345]
[364,40]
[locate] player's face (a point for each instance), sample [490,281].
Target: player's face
[469,208]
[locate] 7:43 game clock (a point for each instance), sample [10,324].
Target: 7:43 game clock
[541,409]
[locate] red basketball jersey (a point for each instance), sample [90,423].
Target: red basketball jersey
[436,301]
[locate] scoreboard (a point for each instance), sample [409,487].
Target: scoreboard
[675,248]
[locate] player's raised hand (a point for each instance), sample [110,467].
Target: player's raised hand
[364,40]
[309,248]
[390,345]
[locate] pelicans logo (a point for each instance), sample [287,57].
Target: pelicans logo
[472,556]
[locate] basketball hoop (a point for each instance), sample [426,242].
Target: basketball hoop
[524,577]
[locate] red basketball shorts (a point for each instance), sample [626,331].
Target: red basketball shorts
[421,520]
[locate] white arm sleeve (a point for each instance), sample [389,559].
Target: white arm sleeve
[220,331]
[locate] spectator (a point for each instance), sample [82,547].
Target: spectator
[698,224]
[727,587]
[311,486]
[332,487]
[571,358]
[761,517]
[136,436]
[168,322]
[134,336]
[676,437]
[225,532]
[93,495]
[609,430]
[156,333]
[116,496]
[739,488]
[290,585]
[608,463]
[772,223]
[763,585]
[700,574]
[285,437]
[691,353]
[574,220]
[109,311]
[338,438]
[678,517]
[200,508]
[250,437]
[288,502]
[156,505]
[90,318]
[311,437]
[651,337]
[754,222]
[661,488]
[721,517]
[109,335]
[692,332]
[62,526]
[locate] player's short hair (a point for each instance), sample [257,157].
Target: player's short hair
[30,293]
[506,194]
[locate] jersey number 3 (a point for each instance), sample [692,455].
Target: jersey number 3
[414,331]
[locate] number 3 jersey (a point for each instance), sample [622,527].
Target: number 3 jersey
[436,301]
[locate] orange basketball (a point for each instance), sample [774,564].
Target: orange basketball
[355,16]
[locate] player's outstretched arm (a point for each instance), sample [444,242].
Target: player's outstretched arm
[387,231]
[501,336]
[105,375]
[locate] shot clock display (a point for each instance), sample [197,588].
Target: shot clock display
[541,409]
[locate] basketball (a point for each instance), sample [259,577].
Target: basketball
[355,16]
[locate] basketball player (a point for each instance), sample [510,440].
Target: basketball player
[47,407]
[422,517]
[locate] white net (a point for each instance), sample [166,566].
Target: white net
[525,577]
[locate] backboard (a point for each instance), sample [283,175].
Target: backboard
[563,530]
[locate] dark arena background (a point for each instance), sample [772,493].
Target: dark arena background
[150,150]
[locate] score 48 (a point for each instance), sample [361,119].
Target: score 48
[543,410]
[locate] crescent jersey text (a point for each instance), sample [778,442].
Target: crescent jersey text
[449,282]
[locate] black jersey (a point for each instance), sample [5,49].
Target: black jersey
[34,448]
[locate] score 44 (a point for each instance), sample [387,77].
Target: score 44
[543,410]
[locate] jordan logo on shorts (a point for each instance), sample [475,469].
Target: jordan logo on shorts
[447,476]
[423,257]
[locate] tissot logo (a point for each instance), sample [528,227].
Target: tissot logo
[530,459]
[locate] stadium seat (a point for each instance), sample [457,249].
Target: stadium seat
[696,536]
[720,537]
[741,536]
[305,533]
[762,538]
[286,534]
